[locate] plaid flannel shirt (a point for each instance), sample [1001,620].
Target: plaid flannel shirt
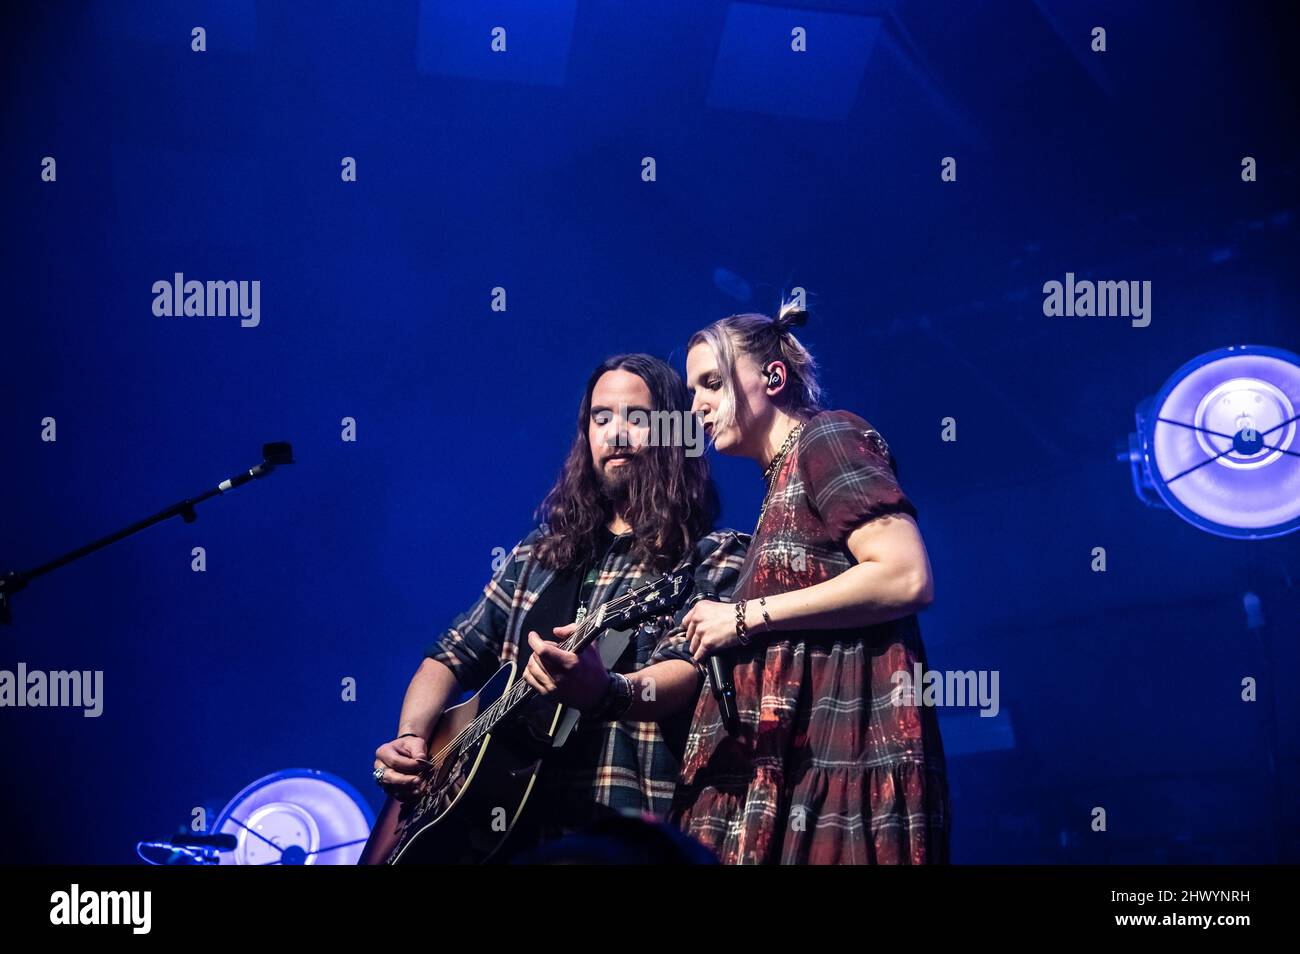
[625,765]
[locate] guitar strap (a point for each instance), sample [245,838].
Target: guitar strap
[554,607]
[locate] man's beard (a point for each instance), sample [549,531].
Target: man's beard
[616,482]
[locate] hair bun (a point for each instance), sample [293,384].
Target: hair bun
[791,316]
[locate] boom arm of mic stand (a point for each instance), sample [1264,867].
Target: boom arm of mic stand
[15,580]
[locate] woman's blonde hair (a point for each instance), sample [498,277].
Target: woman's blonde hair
[764,340]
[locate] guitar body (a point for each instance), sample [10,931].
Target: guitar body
[471,804]
[486,752]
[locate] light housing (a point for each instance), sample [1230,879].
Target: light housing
[1218,443]
[296,817]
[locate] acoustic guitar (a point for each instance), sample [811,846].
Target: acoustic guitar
[487,751]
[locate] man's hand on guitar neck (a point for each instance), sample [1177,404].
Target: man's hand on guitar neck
[574,679]
[658,691]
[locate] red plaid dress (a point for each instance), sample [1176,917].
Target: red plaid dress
[825,769]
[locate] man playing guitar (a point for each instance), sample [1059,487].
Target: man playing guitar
[624,509]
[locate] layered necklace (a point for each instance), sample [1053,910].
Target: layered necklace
[769,474]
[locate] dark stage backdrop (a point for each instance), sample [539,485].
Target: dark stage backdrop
[525,171]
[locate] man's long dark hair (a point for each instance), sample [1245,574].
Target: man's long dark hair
[672,501]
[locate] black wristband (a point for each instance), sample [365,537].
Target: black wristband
[617,699]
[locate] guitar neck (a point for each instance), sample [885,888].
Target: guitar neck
[588,630]
[666,593]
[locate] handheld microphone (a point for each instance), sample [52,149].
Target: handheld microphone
[720,671]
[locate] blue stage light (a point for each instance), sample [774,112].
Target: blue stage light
[1217,445]
[296,817]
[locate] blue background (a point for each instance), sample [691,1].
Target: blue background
[1119,689]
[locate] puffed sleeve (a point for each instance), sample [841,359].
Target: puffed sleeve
[848,472]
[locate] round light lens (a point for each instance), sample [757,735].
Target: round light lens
[1221,442]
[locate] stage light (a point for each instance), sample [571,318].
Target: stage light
[296,817]
[1217,445]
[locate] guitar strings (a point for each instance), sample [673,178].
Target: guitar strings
[584,628]
[512,698]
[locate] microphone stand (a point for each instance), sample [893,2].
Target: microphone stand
[273,455]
